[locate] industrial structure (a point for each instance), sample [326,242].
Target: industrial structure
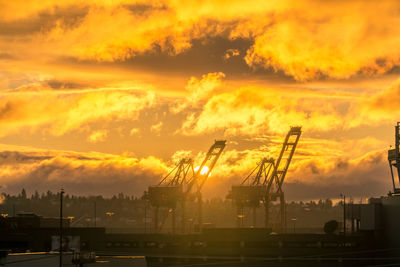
[183,183]
[394,160]
[264,184]
[169,190]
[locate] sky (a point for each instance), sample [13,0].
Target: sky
[101,97]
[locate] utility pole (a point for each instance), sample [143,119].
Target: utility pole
[145,218]
[61,225]
[344,219]
[95,215]
[344,216]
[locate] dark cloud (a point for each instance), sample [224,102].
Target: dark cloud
[6,56]
[59,84]
[366,176]
[69,17]
[15,157]
[205,55]
[303,191]
[8,109]
[144,9]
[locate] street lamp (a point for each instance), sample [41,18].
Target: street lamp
[344,213]
[61,224]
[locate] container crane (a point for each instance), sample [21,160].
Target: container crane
[169,190]
[264,183]
[274,186]
[253,190]
[183,183]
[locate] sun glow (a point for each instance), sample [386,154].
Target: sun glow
[203,171]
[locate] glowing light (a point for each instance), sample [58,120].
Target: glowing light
[203,171]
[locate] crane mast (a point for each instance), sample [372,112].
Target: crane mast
[200,177]
[394,159]
[285,157]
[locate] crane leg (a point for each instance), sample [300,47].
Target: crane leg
[266,214]
[183,218]
[200,211]
[254,217]
[283,212]
[173,220]
[155,219]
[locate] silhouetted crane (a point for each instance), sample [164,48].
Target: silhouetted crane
[169,191]
[182,183]
[264,183]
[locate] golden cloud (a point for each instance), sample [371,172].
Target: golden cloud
[98,136]
[199,90]
[377,108]
[251,111]
[320,38]
[386,101]
[61,111]
[156,128]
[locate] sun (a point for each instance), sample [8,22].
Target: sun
[203,171]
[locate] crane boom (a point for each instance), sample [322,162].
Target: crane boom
[284,159]
[168,190]
[181,171]
[206,167]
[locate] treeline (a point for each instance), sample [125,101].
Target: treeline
[123,211]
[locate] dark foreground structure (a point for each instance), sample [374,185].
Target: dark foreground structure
[375,241]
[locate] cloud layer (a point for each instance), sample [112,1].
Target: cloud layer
[144,82]
[306,39]
[61,111]
[97,173]
[90,173]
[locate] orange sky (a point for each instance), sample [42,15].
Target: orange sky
[102,97]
